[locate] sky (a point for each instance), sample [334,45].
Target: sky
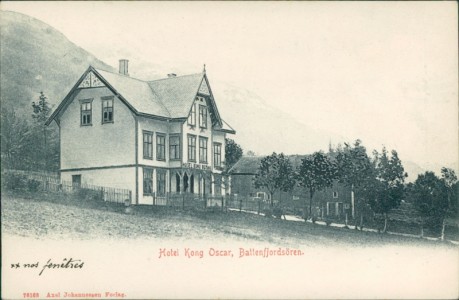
[384,72]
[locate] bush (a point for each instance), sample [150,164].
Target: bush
[33,185]
[14,181]
[88,194]
[277,212]
[268,213]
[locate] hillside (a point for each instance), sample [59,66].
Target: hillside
[49,62]
[35,57]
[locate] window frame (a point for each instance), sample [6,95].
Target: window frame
[217,154]
[160,178]
[335,195]
[84,102]
[202,116]
[191,148]
[145,154]
[203,150]
[160,148]
[150,182]
[112,100]
[192,116]
[177,147]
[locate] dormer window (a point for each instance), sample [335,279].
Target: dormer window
[192,116]
[202,116]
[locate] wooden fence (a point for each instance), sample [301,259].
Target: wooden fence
[51,183]
[189,200]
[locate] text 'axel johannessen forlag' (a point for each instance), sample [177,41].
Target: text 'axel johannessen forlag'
[239,253]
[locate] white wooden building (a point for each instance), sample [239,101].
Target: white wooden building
[152,137]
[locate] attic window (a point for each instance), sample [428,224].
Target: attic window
[107,109]
[192,116]
[202,116]
[86,112]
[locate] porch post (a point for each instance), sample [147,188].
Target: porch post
[181,182]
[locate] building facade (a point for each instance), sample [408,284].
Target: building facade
[151,137]
[333,202]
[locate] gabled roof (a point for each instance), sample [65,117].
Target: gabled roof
[177,93]
[138,93]
[169,98]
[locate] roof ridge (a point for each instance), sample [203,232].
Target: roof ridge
[194,74]
[159,99]
[122,75]
[160,102]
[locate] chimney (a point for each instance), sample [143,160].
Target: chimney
[124,67]
[171,75]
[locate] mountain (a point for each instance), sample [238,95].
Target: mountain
[35,57]
[263,129]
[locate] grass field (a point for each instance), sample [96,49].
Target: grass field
[121,253]
[60,216]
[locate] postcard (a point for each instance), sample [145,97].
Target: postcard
[229,150]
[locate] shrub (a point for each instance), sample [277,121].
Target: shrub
[33,185]
[268,213]
[277,212]
[12,181]
[88,194]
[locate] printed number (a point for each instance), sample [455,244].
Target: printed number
[31,295]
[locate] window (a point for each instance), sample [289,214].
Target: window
[192,116]
[160,183]
[217,154]
[86,112]
[191,147]
[160,146]
[174,147]
[335,194]
[202,150]
[202,116]
[148,144]
[147,181]
[107,110]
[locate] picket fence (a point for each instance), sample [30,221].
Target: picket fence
[51,182]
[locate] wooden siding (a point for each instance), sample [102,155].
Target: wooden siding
[97,144]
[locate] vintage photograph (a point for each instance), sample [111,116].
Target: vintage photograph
[229,150]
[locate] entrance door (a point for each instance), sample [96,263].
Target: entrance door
[76,180]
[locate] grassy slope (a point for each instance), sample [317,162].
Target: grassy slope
[58,216]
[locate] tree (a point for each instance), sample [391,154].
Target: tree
[44,140]
[430,198]
[388,187]
[14,134]
[275,173]
[251,153]
[449,179]
[315,173]
[233,152]
[356,171]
